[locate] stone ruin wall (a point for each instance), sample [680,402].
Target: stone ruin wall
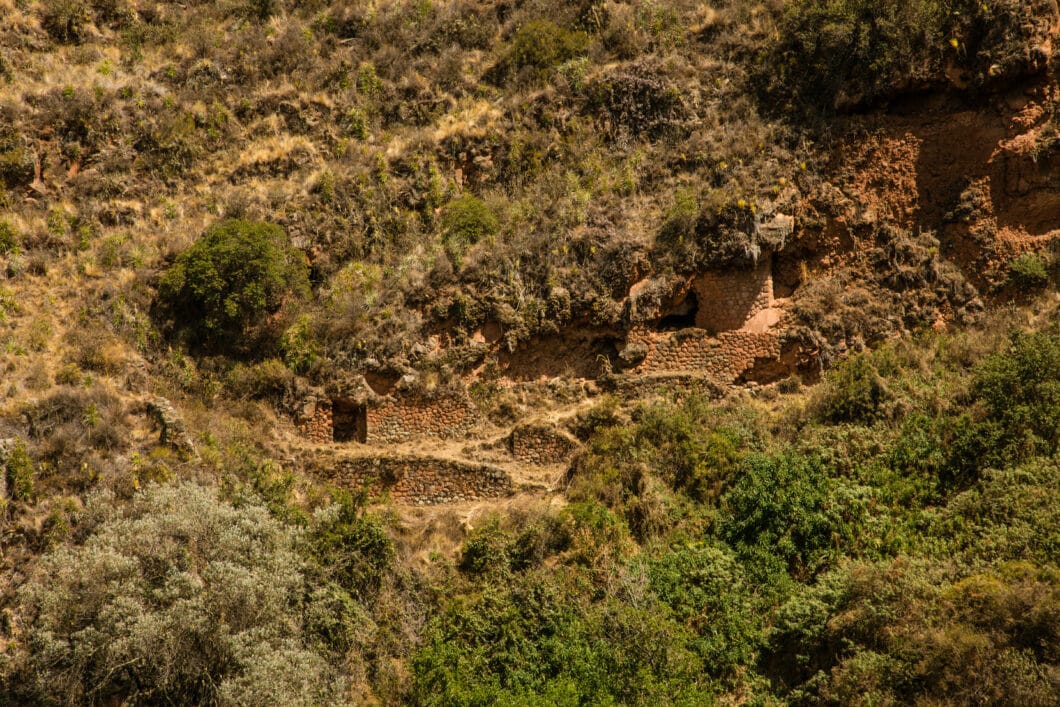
[541,445]
[395,419]
[665,384]
[421,481]
[401,419]
[722,358]
[733,317]
[315,422]
[728,300]
[735,311]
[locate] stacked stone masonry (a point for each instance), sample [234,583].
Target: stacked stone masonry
[722,358]
[401,419]
[391,420]
[421,480]
[316,422]
[728,300]
[541,445]
[687,383]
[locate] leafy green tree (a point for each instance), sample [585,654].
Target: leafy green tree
[704,587]
[537,642]
[1007,515]
[904,632]
[786,513]
[221,289]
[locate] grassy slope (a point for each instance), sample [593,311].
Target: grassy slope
[126,129]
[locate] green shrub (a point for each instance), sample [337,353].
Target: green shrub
[357,123]
[687,454]
[858,48]
[69,374]
[369,84]
[723,234]
[1020,388]
[269,379]
[842,53]
[238,273]
[17,166]
[903,632]
[635,469]
[176,597]
[541,45]
[679,225]
[704,587]
[168,143]
[640,99]
[599,417]
[1008,515]
[465,221]
[114,252]
[66,20]
[787,514]
[19,472]
[853,392]
[536,642]
[486,549]
[1029,271]
[10,239]
[352,548]
[300,348]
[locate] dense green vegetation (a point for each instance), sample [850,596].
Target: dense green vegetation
[244,204]
[835,546]
[219,290]
[816,559]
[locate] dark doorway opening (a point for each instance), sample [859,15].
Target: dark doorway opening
[683,316]
[349,419]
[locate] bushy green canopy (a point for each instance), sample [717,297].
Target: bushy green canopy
[230,279]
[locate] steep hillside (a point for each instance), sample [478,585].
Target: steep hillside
[541,352]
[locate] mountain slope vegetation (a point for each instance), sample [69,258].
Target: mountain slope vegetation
[212,211]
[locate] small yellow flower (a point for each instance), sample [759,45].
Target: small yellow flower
[742,204]
[954,43]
